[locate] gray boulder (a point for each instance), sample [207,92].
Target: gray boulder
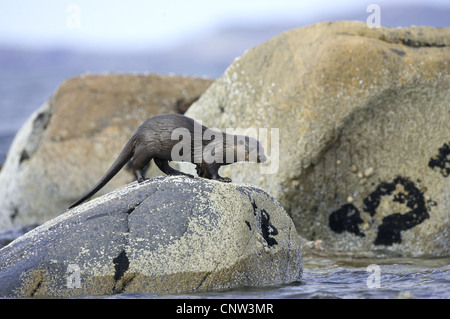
[166,235]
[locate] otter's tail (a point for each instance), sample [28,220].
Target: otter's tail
[122,159]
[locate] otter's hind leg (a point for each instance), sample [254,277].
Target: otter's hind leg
[139,163]
[164,166]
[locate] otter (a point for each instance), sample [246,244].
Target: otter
[158,138]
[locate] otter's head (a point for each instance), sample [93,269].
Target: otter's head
[249,149]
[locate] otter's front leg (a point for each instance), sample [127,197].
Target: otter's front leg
[211,171]
[139,176]
[200,171]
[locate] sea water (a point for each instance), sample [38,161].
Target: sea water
[421,278]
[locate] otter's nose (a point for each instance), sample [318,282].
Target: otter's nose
[262,158]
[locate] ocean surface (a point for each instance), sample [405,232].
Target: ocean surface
[335,278]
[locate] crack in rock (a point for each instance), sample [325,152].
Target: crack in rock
[204,278]
[122,262]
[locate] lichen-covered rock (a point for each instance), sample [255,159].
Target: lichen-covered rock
[68,144]
[166,235]
[363,132]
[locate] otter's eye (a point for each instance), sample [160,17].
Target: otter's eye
[241,142]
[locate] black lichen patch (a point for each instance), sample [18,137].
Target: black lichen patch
[24,156]
[268,229]
[392,225]
[121,265]
[346,218]
[248,225]
[389,230]
[42,120]
[372,201]
[441,161]
[255,208]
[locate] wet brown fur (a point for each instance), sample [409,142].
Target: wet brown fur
[153,140]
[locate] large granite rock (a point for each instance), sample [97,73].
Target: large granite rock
[166,235]
[363,122]
[68,144]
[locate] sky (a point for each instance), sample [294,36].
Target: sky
[138,24]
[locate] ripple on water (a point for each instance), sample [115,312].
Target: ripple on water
[346,278]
